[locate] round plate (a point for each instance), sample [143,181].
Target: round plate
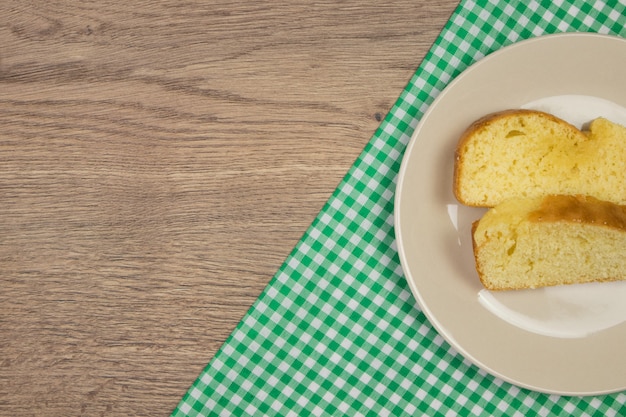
[433,229]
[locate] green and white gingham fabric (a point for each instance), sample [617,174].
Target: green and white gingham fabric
[337,331]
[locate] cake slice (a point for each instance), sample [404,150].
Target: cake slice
[527,153]
[550,240]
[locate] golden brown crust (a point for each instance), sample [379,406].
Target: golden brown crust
[580,209]
[477,264]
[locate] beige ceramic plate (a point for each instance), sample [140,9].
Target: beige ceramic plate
[561,340]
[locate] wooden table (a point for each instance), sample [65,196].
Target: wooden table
[158,162]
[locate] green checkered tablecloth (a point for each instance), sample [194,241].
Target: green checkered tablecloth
[337,331]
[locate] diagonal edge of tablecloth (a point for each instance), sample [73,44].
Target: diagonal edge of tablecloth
[336,331]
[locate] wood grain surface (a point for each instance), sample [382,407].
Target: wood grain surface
[158,162]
